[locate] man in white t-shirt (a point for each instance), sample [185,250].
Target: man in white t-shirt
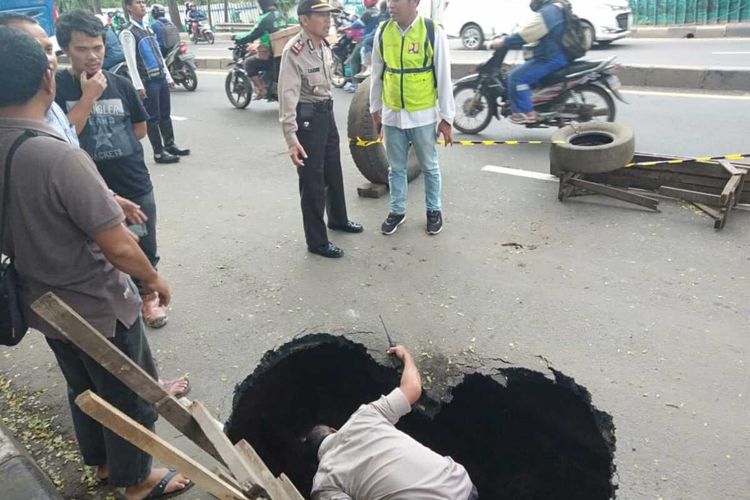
[369,459]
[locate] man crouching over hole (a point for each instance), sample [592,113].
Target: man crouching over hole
[368,458]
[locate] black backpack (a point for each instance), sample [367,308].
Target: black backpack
[573,40]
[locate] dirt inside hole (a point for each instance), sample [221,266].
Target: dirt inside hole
[520,434]
[591,139]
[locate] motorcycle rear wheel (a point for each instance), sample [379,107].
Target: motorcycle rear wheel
[463,94]
[239,90]
[191,79]
[593,94]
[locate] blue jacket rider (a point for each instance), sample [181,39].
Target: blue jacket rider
[545,32]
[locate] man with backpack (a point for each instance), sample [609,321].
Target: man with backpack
[167,33]
[545,34]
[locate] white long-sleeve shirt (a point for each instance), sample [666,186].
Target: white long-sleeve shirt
[128,47]
[445,108]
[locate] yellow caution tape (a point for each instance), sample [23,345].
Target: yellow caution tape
[363,143]
[685,160]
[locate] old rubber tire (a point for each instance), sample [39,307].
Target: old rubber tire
[590,148]
[371,160]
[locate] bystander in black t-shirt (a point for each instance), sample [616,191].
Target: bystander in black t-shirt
[108,136]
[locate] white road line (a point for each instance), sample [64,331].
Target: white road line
[178,118]
[686,94]
[519,173]
[729,53]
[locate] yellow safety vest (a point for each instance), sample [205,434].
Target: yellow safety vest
[409,73]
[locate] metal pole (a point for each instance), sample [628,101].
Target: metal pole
[226,11]
[210,20]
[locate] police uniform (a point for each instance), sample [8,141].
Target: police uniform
[306,115]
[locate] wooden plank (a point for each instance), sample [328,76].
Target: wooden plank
[691,196]
[84,336]
[619,194]
[226,476]
[289,488]
[730,168]
[710,211]
[249,482]
[257,465]
[730,189]
[130,430]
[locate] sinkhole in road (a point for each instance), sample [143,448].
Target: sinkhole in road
[521,434]
[591,139]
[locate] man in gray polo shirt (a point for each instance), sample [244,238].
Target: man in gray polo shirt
[66,235]
[369,459]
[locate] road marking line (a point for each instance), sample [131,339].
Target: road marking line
[179,118]
[519,173]
[684,94]
[729,53]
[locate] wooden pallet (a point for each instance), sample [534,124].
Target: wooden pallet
[714,187]
[246,477]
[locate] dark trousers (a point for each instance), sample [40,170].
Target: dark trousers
[159,107]
[127,464]
[321,184]
[254,66]
[147,231]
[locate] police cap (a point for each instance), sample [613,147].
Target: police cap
[312,6]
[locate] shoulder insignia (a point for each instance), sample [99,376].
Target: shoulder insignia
[297,47]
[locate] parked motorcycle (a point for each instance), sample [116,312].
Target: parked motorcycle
[344,47]
[580,92]
[239,88]
[199,32]
[180,64]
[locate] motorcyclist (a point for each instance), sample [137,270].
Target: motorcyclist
[269,22]
[370,21]
[194,17]
[167,33]
[113,53]
[544,31]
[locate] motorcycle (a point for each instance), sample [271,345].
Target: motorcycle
[180,64]
[200,33]
[342,50]
[580,92]
[239,88]
[117,21]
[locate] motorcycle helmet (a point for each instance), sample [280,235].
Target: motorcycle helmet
[535,5]
[370,3]
[266,4]
[158,11]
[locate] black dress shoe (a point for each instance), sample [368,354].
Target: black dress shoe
[327,250]
[176,151]
[165,157]
[349,227]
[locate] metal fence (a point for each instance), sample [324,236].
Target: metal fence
[670,12]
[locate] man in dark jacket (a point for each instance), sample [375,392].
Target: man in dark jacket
[544,31]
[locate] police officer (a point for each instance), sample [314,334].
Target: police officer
[306,115]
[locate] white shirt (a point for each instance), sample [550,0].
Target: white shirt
[445,108]
[57,119]
[128,47]
[368,458]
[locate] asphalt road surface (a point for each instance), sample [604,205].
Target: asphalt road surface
[713,53]
[649,311]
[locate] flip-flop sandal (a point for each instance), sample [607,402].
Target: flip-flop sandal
[158,490]
[167,384]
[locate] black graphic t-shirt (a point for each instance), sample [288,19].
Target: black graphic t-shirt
[108,136]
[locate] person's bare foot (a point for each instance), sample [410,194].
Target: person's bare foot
[102,473]
[141,491]
[178,387]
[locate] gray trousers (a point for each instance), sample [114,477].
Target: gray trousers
[127,464]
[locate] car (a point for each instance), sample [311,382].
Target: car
[474,21]
[43,11]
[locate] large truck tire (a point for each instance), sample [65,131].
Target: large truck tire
[371,160]
[591,148]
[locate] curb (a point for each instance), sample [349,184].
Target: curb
[734,30]
[21,477]
[678,77]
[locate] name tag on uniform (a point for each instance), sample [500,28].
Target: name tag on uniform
[314,70]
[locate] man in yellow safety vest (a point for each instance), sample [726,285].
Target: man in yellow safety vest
[411,101]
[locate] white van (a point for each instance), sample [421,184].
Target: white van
[475,21]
